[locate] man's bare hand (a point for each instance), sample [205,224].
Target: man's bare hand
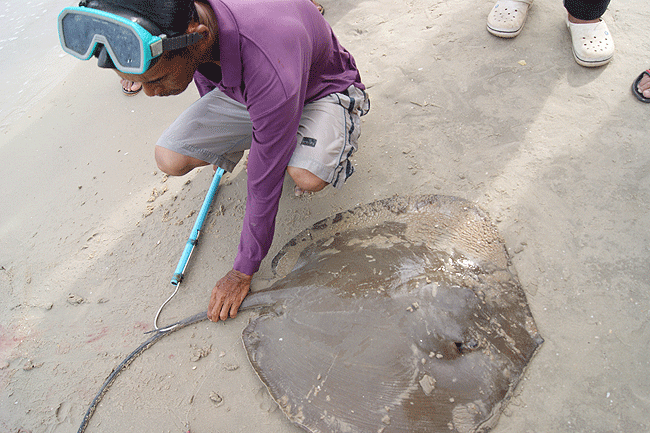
[228,295]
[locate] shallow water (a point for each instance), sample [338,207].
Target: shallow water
[31,59]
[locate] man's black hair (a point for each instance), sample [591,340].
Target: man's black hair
[171,16]
[168,17]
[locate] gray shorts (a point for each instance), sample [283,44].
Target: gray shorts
[217,129]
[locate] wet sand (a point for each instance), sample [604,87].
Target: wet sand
[557,154]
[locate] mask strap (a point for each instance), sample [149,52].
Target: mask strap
[182,41]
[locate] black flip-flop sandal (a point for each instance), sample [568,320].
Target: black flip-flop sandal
[635,87]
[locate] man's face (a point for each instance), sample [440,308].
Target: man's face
[169,76]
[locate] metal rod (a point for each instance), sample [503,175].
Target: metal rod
[194,236]
[191,242]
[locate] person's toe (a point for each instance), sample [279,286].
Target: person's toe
[130,86]
[644,86]
[126,84]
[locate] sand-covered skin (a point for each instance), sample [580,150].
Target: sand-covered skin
[557,154]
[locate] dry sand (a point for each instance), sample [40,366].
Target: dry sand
[557,154]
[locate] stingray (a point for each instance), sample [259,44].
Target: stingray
[402,315]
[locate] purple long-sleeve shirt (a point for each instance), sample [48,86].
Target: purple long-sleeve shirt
[276,55]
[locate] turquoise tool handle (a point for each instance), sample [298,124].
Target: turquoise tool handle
[191,242]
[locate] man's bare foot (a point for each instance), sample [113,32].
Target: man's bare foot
[299,192]
[641,87]
[130,87]
[644,86]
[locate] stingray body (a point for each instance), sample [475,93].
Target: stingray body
[402,315]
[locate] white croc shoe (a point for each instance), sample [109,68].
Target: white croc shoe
[592,43]
[507,18]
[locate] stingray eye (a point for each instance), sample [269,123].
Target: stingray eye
[467,346]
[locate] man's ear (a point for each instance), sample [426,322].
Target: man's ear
[197,27]
[207,38]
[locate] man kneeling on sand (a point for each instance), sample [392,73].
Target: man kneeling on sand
[273,78]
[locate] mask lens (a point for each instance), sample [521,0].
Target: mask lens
[82,32]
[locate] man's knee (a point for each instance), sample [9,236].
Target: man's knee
[306,180]
[175,164]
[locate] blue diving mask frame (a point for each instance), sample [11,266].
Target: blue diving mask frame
[132,49]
